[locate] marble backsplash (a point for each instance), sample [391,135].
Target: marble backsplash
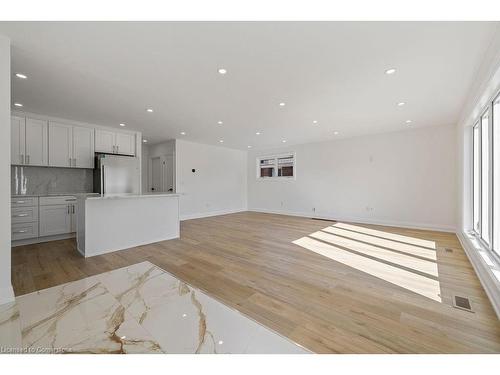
[47,180]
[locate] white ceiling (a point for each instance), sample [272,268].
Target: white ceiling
[332,72]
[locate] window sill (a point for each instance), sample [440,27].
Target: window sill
[486,265]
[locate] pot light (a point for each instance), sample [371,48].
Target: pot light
[282,104]
[408,121]
[122,124]
[284,141]
[21,75]
[249,146]
[18,104]
[258,133]
[221,141]
[149,110]
[315,121]
[183,133]
[400,104]
[390,71]
[335,133]
[144,141]
[184,315]
[222,71]
[219,122]
[221,342]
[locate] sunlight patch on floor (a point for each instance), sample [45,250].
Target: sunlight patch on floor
[371,255]
[390,236]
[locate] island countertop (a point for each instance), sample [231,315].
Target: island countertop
[126,196]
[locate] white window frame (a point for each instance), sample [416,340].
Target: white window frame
[276,157]
[488,109]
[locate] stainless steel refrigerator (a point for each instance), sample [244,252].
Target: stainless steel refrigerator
[116,174]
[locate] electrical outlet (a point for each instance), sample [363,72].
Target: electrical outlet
[314,209]
[281,203]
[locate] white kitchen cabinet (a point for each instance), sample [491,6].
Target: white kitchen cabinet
[125,143]
[83,147]
[17,139]
[71,146]
[104,141]
[36,142]
[55,219]
[29,141]
[114,142]
[60,145]
[73,217]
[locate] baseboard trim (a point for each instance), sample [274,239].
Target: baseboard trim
[7,295]
[30,241]
[483,271]
[210,214]
[360,220]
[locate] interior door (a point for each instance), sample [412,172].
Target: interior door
[168,173]
[104,141]
[156,174]
[83,147]
[125,143]
[60,145]
[17,139]
[36,142]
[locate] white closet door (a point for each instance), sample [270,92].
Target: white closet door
[36,142]
[60,145]
[17,140]
[83,147]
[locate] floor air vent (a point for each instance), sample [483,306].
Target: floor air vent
[462,303]
[448,250]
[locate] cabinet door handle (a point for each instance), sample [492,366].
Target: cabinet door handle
[20,202]
[117,149]
[68,208]
[27,159]
[20,215]
[70,162]
[73,208]
[20,231]
[21,158]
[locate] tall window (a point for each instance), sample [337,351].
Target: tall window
[495,113]
[486,176]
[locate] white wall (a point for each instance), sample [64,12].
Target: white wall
[219,184]
[6,293]
[406,178]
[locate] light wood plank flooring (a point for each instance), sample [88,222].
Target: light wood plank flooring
[331,287]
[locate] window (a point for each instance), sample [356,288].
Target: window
[486,176]
[495,114]
[277,166]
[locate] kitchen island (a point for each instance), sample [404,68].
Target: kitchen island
[112,222]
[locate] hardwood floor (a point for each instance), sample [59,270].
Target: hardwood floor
[372,291]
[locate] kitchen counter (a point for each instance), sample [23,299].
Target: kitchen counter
[46,195]
[112,222]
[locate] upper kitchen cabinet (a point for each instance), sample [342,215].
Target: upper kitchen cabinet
[114,142]
[71,146]
[29,141]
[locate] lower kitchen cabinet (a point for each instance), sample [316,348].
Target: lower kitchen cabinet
[55,219]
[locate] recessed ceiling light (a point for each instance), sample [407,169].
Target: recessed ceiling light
[282,104]
[149,110]
[390,71]
[222,71]
[221,141]
[400,104]
[21,75]
[122,124]
[221,342]
[184,315]
[249,146]
[335,133]
[284,141]
[408,121]
[315,121]
[258,133]
[219,122]
[145,141]
[183,133]
[18,104]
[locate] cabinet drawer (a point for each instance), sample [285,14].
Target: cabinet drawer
[24,202]
[24,214]
[49,201]
[24,230]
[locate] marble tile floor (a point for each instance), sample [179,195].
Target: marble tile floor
[136,309]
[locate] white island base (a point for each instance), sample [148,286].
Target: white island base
[115,222]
